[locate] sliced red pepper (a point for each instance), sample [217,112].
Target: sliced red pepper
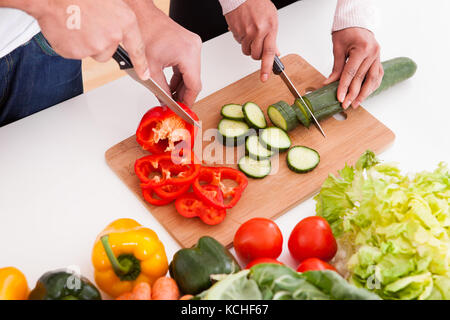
[190,206]
[159,169]
[216,176]
[171,191]
[160,130]
[149,196]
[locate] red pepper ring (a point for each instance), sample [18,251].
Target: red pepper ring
[190,206]
[215,176]
[167,172]
[149,196]
[171,191]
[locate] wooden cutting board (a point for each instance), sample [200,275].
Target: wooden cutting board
[272,196]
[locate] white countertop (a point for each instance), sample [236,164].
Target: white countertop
[57,192]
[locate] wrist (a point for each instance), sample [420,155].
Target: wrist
[32,7]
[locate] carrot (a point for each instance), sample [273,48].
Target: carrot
[187,297]
[141,291]
[165,288]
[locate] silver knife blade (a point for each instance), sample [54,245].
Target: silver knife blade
[294,91]
[164,97]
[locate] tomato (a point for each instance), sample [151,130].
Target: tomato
[312,238]
[262,260]
[258,238]
[312,264]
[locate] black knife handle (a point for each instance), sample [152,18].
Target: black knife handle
[122,58]
[278,66]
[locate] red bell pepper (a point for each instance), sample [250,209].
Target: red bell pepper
[160,169]
[216,176]
[149,196]
[190,206]
[171,191]
[160,130]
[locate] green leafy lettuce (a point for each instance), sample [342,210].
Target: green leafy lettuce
[276,282]
[395,228]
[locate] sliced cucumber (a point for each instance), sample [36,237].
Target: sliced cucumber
[302,114]
[233,132]
[275,139]
[232,111]
[253,168]
[254,116]
[256,150]
[282,116]
[302,159]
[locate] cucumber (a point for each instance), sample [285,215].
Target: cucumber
[254,116]
[256,150]
[232,111]
[256,169]
[302,114]
[282,116]
[275,139]
[323,102]
[302,159]
[233,132]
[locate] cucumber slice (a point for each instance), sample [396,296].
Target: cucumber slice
[302,114]
[275,139]
[233,132]
[232,111]
[256,150]
[302,159]
[256,169]
[254,116]
[282,116]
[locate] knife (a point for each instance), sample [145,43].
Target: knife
[278,69]
[124,61]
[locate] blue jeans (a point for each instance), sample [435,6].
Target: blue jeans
[33,77]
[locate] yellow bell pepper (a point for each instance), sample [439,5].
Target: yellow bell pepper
[13,284]
[125,254]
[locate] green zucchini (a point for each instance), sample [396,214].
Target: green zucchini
[256,169]
[275,139]
[256,150]
[233,132]
[282,116]
[254,116]
[302,159]
[323,102]
[232,111]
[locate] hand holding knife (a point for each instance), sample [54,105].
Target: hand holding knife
[278,69]
[124,61]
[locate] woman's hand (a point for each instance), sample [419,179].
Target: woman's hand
[357,65]
[254,25]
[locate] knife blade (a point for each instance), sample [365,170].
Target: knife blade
[122,58]
[278,69]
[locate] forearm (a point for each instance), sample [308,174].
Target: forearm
[355,13]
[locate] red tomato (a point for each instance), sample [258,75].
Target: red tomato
[312,238]
[262,260]
[312,264]
[258,238]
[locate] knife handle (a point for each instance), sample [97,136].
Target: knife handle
[122,58]
[278,66]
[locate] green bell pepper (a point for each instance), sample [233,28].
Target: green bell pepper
[192,267]
[64,285]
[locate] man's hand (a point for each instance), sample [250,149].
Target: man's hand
[167,44]
[103,25]
[357,64]
[254,25]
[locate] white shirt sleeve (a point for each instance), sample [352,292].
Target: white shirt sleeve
[355,13]
[230,5]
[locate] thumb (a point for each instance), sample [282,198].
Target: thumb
[339,63]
